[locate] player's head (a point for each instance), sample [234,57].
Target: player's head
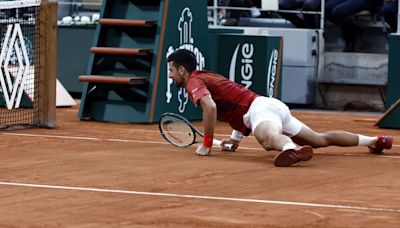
[181,64]
[183,58]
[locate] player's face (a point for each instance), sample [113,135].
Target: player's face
[176,74]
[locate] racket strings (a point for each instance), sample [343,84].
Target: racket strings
[177,131]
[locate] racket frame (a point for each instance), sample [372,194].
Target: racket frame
[194,129]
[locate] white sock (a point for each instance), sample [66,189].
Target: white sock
[289,146]
[366,140]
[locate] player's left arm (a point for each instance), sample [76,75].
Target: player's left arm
[234,141]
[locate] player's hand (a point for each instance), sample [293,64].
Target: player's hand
[203,150]
[229,145]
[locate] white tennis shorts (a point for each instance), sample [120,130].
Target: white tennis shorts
[271,109]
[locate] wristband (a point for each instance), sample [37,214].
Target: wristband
[208,140]
[236,135]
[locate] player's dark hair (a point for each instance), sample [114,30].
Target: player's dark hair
[185,58]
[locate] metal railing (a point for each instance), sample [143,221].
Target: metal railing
[216,8]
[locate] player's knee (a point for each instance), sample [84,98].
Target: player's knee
[267,146]
[266,141]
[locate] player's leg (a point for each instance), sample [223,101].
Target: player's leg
[307,136]
[265,118]
[269,135]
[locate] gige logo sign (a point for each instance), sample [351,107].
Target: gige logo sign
[186,42]
[242,61]
[246,64]
[272,70]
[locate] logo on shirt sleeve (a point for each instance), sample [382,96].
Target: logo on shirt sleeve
[194,90]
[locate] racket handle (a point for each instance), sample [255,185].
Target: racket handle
[217,142]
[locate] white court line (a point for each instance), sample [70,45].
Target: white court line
[53,136]
[220,135]
[216,198]
[158,142]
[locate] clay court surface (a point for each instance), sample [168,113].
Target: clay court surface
[96,174]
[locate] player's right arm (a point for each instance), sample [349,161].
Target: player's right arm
[200,96]
[209,120]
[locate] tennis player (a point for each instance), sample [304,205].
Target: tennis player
[267,118]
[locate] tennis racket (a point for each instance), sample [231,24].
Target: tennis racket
[178,131]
